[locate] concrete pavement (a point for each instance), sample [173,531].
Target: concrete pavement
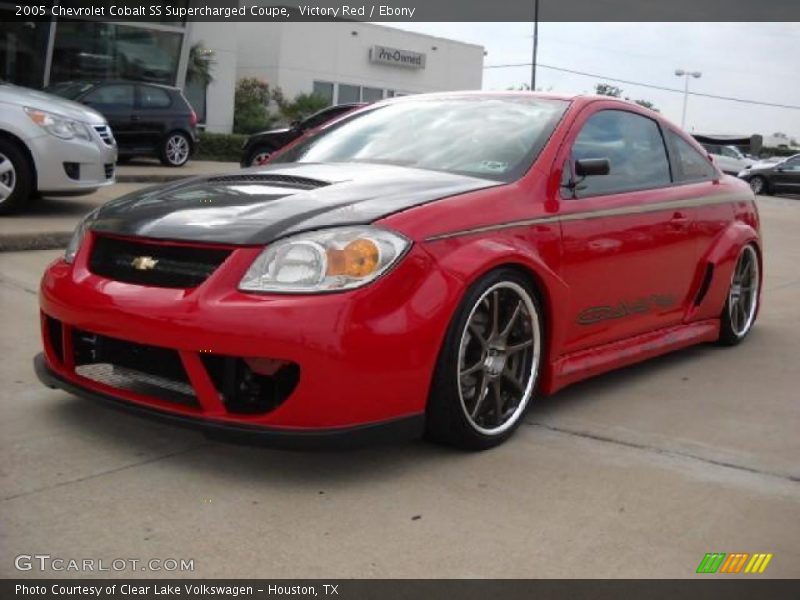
[637,473]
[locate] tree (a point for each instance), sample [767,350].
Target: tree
[646,104]
[250,103]
[300,107]
[200,64]
[606,89]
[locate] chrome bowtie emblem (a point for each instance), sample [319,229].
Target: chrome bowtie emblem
[144,263]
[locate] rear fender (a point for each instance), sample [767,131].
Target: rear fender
[721,256]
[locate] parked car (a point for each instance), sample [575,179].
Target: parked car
[259,147]
[430,264]
[49,145]
[774,177]
[729,159]
[148,119]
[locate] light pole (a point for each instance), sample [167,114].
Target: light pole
[686,75]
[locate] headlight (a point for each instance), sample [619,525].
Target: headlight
[61,127]
[323,261]
[77,238]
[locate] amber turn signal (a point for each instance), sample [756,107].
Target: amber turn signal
[359,258]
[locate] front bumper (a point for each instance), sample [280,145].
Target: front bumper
[365,357]
[95,162]
[405,428]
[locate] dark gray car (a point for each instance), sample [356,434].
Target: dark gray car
[147,119]
[774,178]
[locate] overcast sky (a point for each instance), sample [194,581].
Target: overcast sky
[754,61]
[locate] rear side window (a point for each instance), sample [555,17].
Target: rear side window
[689,165]
[110,96]
[793,164]
[634,148]
[324,116]
[153,97]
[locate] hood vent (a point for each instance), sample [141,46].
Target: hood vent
[287,180]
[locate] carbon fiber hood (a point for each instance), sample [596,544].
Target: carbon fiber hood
[257,206]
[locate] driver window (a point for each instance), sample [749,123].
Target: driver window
[634,148]
[729,153]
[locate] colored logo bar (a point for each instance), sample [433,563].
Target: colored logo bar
[721,562]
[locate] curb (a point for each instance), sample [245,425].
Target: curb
[34,241]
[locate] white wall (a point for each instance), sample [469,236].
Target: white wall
[294,55]
[330,52]
[222,39]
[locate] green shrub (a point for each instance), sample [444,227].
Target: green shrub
[225,147]
[302,106]
[767,151]
[250,102]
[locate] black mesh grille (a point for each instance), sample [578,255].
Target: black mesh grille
[147,370]
[288,180]
[154,264]
[56,335]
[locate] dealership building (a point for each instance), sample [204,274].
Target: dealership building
[343,61]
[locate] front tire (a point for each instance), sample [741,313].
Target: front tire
[489,364]
[741,305]
[16,178]
[175,149]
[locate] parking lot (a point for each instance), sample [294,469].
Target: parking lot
[638,473]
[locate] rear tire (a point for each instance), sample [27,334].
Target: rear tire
[259,156]
[741,305]
[759,185]
[16,178]
[175,149]
[489,363]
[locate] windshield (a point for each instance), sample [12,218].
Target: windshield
[495,137]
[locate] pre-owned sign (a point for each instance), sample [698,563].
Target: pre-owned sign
[397,57]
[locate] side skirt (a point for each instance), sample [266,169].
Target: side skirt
[593,361]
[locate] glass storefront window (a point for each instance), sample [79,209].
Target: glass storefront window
[94,50]
[349,93]
[106,4]
[369,94]
[23,47]
[323,89]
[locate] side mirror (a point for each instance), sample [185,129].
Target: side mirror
[592,166]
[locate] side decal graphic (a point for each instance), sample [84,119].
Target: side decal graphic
[596,314]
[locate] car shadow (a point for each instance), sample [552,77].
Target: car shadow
[190,453]
[594,388]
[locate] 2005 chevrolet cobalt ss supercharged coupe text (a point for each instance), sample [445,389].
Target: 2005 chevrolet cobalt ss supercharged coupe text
[425,264]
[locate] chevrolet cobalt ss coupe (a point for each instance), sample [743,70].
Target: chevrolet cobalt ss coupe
[427,264]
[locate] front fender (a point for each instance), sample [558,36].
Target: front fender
[469,258]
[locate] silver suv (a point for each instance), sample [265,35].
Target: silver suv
[50,145]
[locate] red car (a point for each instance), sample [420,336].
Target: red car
[426,264]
